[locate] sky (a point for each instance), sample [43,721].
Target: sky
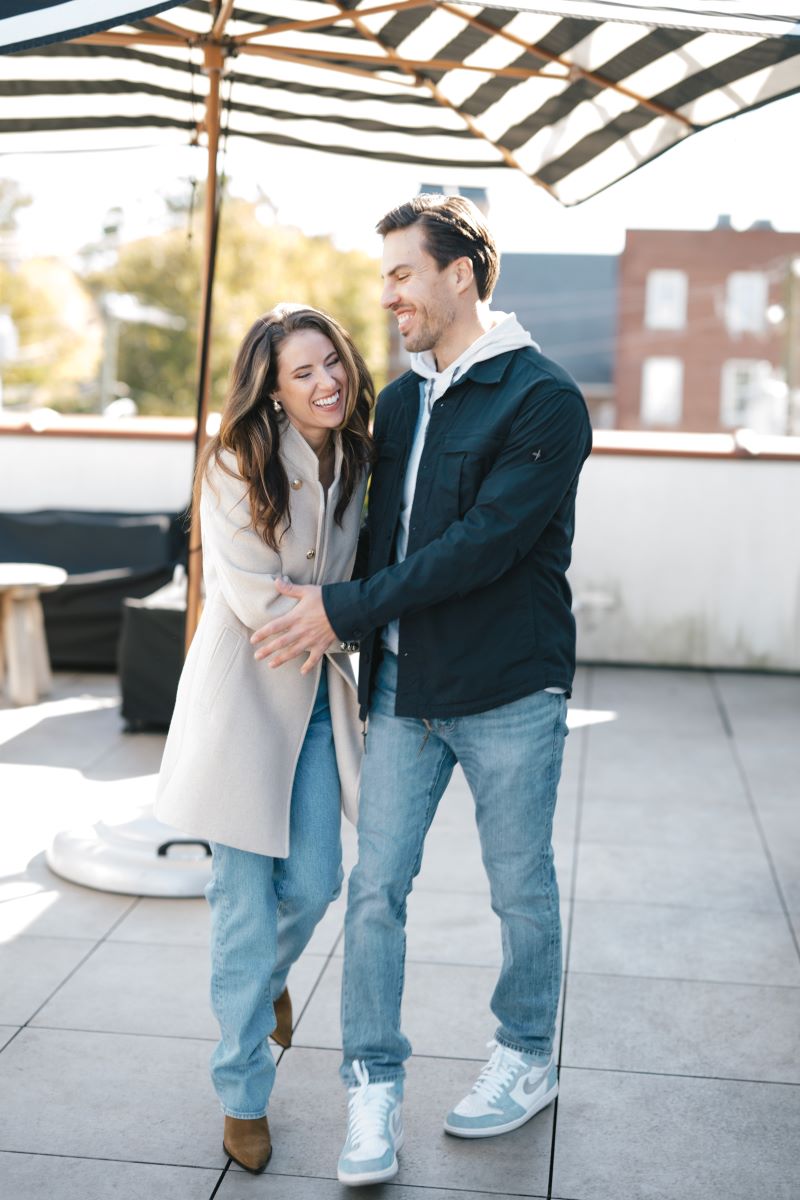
[746,167]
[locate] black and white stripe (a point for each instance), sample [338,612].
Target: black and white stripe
[575,94]
[27,23]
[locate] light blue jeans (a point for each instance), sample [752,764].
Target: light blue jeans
[263,912]
[511,757]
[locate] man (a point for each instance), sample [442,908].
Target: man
[467,655]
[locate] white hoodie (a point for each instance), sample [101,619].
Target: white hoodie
[505,334]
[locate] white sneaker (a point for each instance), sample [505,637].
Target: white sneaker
[374,1131]
[509,1090]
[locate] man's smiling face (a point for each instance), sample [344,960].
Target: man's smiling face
[421,296]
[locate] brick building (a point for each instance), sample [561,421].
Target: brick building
[704,335]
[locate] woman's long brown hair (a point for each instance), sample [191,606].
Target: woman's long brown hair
[251,428]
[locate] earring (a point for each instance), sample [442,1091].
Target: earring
[276,404]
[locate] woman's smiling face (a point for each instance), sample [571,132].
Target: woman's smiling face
[311,384]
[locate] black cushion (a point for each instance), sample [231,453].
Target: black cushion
[108,556]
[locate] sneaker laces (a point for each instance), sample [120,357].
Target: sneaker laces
[368,1108]
[498,1072]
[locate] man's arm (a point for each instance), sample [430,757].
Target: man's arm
[516,501]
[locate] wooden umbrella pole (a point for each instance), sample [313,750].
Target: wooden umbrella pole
[213,66]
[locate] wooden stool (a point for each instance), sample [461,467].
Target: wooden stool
[24,660]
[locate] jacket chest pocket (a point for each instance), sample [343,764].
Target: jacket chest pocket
[464,463]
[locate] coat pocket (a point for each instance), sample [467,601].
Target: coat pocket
[223,656]
[465,461]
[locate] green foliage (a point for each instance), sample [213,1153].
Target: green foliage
[58,343]
[257,266]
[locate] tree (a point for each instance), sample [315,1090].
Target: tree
[257,266]
[53,317]
[59,336]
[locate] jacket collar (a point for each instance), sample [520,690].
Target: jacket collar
[296,452]
[488,370]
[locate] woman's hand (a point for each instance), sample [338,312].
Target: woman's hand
[306,629]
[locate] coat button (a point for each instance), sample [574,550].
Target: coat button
[311,553]
[296,484]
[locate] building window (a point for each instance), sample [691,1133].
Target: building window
[662,391]
[665,300]
[746,302]
[747,395]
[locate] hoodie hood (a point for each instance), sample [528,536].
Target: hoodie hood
[506,334]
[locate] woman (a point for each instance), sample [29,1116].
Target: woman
[257,760]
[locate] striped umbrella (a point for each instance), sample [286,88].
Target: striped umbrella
[575,95]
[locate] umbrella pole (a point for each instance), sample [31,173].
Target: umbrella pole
[213,66]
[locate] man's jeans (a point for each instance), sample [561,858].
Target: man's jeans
[263,911]
[511,757]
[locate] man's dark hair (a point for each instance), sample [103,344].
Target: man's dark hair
[453,228]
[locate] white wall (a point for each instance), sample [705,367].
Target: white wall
[697,558]
[679,560]
[94,473]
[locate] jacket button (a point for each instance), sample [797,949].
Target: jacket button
[296,484]
[311,553]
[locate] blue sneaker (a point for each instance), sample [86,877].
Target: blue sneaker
[509,1090]
[374,1131]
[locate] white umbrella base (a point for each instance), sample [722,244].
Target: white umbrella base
[141,857]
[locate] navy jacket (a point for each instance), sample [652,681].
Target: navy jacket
[482,596]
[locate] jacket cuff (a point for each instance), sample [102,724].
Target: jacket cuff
[344,609]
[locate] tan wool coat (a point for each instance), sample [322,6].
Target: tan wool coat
[239,725]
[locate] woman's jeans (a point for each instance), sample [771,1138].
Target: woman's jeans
[263,912]
[511,757]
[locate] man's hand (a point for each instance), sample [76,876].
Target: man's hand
[305,628]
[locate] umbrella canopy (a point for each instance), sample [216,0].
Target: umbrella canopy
[575,95]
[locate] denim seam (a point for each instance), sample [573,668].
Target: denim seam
[424,829]
[402,909]
[250,1116]
[555,921]
[384,1077]
[553,947]
[519,1049]
[218,996]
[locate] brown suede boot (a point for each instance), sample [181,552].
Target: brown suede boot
[282,1033]
[248,1143]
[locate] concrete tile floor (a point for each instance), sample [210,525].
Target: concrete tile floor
[678,844]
